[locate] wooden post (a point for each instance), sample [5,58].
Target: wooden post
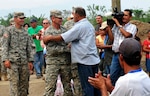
[116,4]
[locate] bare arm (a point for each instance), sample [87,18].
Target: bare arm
[104,46]
[124,32]
[145,49]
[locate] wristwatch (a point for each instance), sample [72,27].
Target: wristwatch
[120,26]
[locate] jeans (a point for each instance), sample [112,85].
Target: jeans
[115,69]
[147,65]
[38,62]
[84,72]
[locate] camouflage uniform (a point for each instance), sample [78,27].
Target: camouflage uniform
[16,45]
[74,70]
[1,34]
[58,60]
[68,24]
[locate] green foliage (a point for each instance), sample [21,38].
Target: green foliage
[95,10]
[139,14]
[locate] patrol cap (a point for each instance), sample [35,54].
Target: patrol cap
[130,48]
[104,25]
[56,13]
[33,20]
[19,14]
[11,21]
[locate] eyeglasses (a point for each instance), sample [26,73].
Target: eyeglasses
[45,23]
[22,18]
[58,17]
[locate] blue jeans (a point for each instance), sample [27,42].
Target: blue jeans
[147,65]
[84,72]
[38,62]
[115,69]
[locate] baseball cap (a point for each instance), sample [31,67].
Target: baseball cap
[19,14]
[33,20]
[56,13]
[104,25]
[130,48]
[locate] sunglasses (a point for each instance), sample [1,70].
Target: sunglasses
[45,23]
[58,17]
[22,18]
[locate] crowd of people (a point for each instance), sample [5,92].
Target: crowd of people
[101,61]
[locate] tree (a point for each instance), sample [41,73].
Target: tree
[95,10]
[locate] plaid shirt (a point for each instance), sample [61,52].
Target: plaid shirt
[118,37]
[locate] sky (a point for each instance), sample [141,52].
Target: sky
[38,7]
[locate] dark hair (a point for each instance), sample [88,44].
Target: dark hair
[100,16]
[80,11]
[26,24]
[129,10]
[134,60]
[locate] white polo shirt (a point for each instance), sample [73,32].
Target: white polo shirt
[132,84]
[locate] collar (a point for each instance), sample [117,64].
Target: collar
[134,71]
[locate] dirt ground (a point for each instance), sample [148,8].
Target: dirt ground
[36,87]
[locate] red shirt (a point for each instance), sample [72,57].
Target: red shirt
[147,44]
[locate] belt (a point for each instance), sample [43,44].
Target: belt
[115,52]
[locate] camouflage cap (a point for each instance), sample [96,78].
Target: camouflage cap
[19,14]
[56,13]
[11,21]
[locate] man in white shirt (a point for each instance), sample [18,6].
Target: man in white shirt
[135,82]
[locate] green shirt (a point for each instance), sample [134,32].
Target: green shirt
[33,31]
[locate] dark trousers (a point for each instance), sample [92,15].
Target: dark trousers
[84,72]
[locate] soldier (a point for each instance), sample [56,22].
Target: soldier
[83,49]
[11,21]
[68,24]
[58,58]
[1,65]
[16,55]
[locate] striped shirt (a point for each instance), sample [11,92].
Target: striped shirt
[119,37]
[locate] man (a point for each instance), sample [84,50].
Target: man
[134,82]
[99,20]
[11,21]
[16,55]
[118,34]
[34,31]
[3,74]
[58,59]
[83,49]
[76,86]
